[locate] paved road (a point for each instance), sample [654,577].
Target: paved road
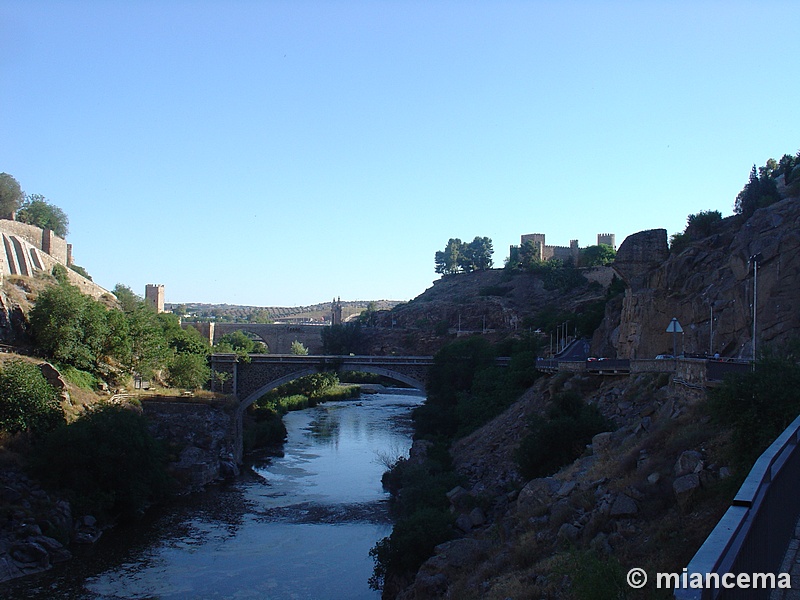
[577,350]
[791,565]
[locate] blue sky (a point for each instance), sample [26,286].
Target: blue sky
[283,153]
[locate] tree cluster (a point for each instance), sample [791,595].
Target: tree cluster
[77,331]
[33,209]
[759,404]
[762,189]
[27,401]
[698,227]
[462,257]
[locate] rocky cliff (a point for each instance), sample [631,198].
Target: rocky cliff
[710,288]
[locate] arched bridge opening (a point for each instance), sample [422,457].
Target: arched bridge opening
[248,380]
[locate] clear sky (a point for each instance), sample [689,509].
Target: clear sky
[282,153]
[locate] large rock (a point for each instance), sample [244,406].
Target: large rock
[712,275]
[685,488]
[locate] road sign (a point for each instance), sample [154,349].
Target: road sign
[674,326]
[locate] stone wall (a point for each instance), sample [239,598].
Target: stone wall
[26,250]
[201,438]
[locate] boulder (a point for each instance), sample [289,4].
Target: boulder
[690,461]
[623,506]
[538,491]
[685,488]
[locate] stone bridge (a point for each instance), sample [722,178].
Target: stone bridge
[277,336]
[248,381]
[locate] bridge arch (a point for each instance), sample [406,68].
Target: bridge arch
[250,379]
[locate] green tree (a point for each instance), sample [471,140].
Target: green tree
[449,260]
[596,256]
[149,349]
[561,438]
[188,371]
[459,256]
[27,401]
[11,195]
[477,255]
[241,343]
[760,191]
[106,463]
[126,297]
[299,349]
[343,339]
[81,271]
[759,404]
[36,210]
[69,326]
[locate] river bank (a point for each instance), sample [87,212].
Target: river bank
[300,524]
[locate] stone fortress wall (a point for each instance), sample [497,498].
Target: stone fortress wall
[26,250]
[563,252]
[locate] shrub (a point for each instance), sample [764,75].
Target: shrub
[189,371]
[106,463]
[561,438]
[759,404]
[265,429]
[27,401]
[411,543]
[83,379]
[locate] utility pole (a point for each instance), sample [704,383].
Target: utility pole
[755,260]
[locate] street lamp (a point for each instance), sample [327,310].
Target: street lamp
[755,259]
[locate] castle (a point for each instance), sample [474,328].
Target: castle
[564,253]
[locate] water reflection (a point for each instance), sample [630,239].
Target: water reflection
[298,525]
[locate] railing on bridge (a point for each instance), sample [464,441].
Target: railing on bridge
[753,535]
[333,358]
[702,372]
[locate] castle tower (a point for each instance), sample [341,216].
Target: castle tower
[609,239]
[154,296]
[336,311]
[538,241]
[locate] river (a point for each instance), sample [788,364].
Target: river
[297,526]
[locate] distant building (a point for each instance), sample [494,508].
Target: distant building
[565,253]
[336,311]
[154,296]
[609,239]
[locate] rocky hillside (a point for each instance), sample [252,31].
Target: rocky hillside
[712,278]
[645,494]
[495,302]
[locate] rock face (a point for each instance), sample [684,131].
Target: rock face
[712,278]
[639,254]
[200,436]
[37,524]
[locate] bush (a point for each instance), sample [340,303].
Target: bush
[106,463]
[561,438]
[411,543]
[27,401]
[265,429]
[759,404]
[189,371]
[83,379]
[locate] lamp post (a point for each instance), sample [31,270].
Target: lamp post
[755,259]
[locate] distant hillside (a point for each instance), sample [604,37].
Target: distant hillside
[232,313]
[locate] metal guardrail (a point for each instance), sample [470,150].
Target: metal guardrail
[754,533]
